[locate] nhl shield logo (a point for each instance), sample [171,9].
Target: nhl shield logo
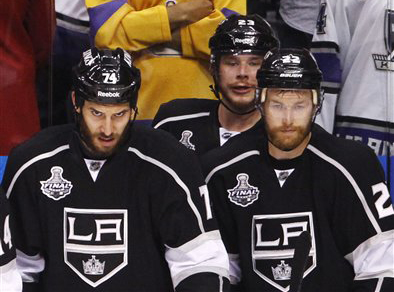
[95,243]
[185,139]
[273,241]
[243,194]
[56,187]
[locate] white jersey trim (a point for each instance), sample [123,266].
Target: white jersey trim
[205,253]
[355,186]
[29,266]
[374,258]
[235,269]
[10,279]
[232,161]
[32,161]
[183,117]
[177,180]
[379,285]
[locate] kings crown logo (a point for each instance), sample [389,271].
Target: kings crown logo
[56,187]
[93,266]
[243,194]
[282,271]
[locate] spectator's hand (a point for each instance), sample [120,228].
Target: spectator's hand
[189,12]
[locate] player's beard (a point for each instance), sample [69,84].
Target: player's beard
[278,139]
[89,147]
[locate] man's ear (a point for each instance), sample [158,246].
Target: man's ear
[76,108]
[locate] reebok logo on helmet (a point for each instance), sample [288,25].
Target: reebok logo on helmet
[247,41]
[108,94]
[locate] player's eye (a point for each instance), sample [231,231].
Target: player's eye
[121,114]
[230,62]
[276,106]
[255,63]
[96,113]
[300,106]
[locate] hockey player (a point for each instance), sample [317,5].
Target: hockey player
[237,49]
[169,39]
[267,191]
[10,280]
[354,47]
[99,207]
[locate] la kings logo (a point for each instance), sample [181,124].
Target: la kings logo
[386,62]
[273,238]
[95,243]
[56,187]
[243,194]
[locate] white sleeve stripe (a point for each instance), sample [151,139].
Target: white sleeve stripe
[205,253]
[179,118]
[177,180]
[352,182]
[29,266]
[8,266]
[10,279]
[32,161]
[220,283]
[374,258]
[379,285]
[232,161]
[197,241]
[235,269]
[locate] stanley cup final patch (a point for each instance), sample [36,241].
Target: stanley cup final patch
[185,140]
[95,243]
[56,187]
[273,246]
[243,194]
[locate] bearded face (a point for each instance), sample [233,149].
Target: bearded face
[103,127]
[288,117]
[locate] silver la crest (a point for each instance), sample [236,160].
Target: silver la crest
[56,187]
[185,139]
[243,194]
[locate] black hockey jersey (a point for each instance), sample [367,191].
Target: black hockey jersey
[10,280]
[143,225]
[335,191]
[194,122]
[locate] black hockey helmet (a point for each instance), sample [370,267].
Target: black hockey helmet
[236,35]
[289,68]
[242,34]
[106,76]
